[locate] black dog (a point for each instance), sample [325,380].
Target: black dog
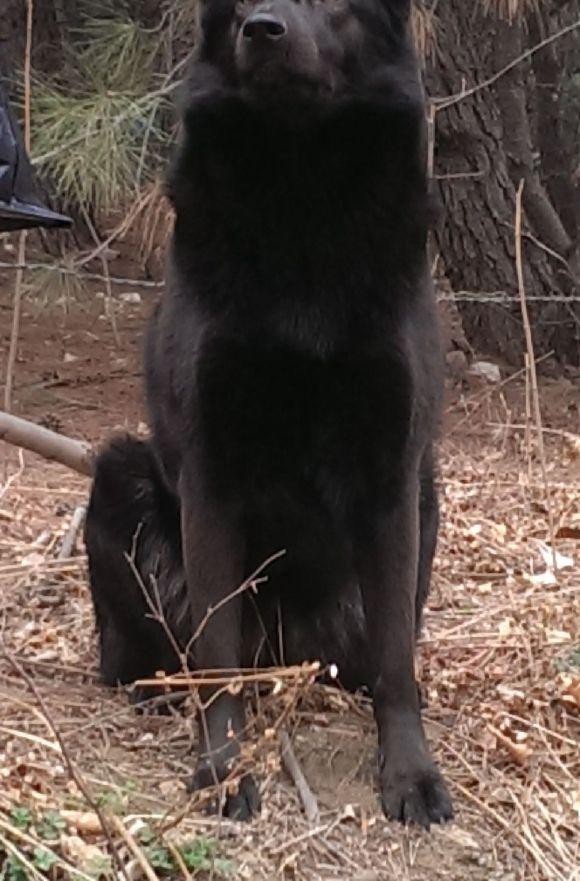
[293,367]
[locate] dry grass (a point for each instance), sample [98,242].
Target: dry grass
[500,665]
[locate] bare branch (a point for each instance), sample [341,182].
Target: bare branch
[70,537]
[532,369]
[444,103]
[295,772]
[48,444]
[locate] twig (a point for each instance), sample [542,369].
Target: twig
[119,230]
[444,103]
[70,536]
[135,849]
[532,371]
[249,583]
[371,875]
[17,303]
[74,774]
[235,677]
[13,477]
[528,430]
[294,771]
[109,308]
[521,426]
[178,859]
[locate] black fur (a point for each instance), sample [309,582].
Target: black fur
[293,366]
[132,526]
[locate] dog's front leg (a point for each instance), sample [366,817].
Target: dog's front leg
[214,555]
[412,789]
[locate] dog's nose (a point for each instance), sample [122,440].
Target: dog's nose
[263,26]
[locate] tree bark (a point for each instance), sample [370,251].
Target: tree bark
[557,150]
[483,148]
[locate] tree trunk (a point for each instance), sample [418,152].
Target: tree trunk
[12,33]
[483,148]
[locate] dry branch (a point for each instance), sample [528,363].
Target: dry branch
[535,395]
[70,537]
[48,444]
[444,103]
[295,772]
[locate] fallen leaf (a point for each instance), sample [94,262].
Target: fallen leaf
[570,688]
[505,627]
[571,532]
[87,857]
[519,752]
[83,821]
[550,557]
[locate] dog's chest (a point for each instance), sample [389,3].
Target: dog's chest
[273,415]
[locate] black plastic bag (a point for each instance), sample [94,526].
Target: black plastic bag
[20,207]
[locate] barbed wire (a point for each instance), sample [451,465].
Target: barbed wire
[502,297]
[495,297]
[86,276]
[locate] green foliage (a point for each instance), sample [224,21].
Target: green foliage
[21,817]
[97,131]
[91,144]
[118,53]
[50,826]
[44,859]
[160,857]
[116,799]
[13,870]
[200,854]
[570,662]
[98,865]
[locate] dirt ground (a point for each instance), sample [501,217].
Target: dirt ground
[499,659]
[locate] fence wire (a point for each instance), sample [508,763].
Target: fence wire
[499,298]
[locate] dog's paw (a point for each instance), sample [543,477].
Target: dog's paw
[415,796]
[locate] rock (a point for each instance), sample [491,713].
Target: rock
[131,297]
[486,370]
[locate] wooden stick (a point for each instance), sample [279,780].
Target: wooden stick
[57,447]
[135,849]
[70,536]
[294,771]
[535,396]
